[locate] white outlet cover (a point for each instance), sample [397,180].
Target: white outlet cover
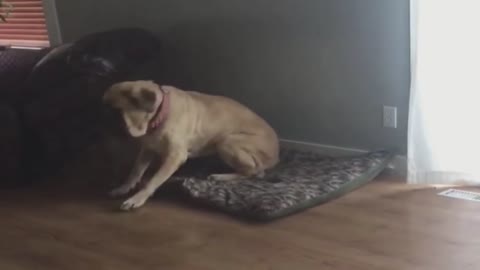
[390,116]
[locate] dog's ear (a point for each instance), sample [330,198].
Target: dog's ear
[147,100]
[107,96]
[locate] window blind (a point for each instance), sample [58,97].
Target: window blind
[25,24]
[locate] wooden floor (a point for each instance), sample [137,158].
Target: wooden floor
[386,225]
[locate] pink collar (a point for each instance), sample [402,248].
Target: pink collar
[162,111]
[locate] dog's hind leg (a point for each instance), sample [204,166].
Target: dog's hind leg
[240,157]
[226,176]
[232,176]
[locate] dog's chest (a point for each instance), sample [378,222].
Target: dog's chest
[154,143]
[196,146]
[200,151]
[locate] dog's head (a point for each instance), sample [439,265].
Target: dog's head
[137,101]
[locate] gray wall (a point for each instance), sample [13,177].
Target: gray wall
[317,70]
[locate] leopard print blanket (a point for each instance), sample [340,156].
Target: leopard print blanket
[301,180]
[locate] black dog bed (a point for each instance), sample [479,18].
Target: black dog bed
[300,181]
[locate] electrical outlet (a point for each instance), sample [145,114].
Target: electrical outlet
[390,117]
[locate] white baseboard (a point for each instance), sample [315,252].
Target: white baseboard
[398,165]
[323,149]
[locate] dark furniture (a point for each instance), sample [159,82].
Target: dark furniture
[53,108]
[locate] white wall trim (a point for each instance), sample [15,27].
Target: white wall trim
[328,150]
[53,25]
[398,165]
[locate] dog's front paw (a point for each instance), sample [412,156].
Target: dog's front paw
[135,201]
[120,191]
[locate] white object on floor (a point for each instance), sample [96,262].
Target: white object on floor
[461,194]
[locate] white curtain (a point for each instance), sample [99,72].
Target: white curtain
[444,124]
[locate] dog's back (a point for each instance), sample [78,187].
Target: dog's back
[207,121]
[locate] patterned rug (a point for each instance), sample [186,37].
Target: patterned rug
[301,180]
